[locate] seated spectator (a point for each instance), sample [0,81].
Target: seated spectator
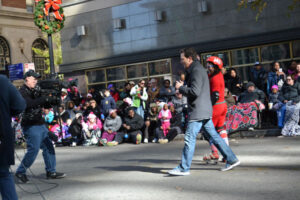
[290,92]
[174,130]
[244,115]
[126,91]
[124,107]
[275,77]
[151,123]
[70,109]
[48,116]
[180,103]
[292,68]
[296,75]
[112,124]
[233,82]
[95,95]
[131,129]
[230,101]
[139,97]
[74,95]
[167,91]
[64,114]
[273,96]
[107,103]
[94,109]
[91,130]
[251,94]
[258,76]
[64,96]
[113,92]
[75,129]
[153,91]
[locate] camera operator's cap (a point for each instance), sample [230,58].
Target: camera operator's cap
[257,63]
[31,73]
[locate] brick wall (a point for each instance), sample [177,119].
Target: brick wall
[14,3]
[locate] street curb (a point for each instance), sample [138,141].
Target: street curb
[256,133]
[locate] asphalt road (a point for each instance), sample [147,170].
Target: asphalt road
[270,169]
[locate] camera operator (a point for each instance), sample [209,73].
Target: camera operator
[11,103]
[34,129]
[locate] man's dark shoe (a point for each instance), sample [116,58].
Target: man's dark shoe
[55,175]
[22,177]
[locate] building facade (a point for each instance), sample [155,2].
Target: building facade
[18,35]
[116,41]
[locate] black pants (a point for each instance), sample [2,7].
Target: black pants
[149,132]
[173,132]
[131,136]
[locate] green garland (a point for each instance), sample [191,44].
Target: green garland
[41,21]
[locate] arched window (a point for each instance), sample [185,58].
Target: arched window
[4,54]
[39,61]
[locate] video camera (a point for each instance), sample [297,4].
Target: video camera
[52,86]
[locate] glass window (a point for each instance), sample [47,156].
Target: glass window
[160,67]
[134,71]
[98,87]
[4,53]
[275,52]
[96,76]
[117,73]
[38,59]
[244,56]
[296,49]
[223,55]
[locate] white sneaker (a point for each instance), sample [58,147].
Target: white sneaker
[230,166]
[154,140]
[74,144]
[146,141]
[177,172]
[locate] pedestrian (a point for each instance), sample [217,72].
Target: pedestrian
[11,104]
[200,114]
[35,131]
[217,93]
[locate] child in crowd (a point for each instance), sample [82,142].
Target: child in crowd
[107,103]
[165,116]
[111,125]
[48,116]
[273,97]
[92,130]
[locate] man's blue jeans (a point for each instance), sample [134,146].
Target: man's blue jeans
[36,139]
[7,185]
[191,133]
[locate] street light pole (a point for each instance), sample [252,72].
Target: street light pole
[51,57]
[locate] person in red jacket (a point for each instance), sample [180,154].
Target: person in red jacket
[217,87]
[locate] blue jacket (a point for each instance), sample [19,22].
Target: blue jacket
[106,104]
[273,79]
[11,104]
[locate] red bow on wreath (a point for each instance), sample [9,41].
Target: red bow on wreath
[54,4]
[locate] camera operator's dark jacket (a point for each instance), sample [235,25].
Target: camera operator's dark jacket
[35,102]
[11,103]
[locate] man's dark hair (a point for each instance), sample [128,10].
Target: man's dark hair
[189,52]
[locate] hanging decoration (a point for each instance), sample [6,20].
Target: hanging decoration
[43,9]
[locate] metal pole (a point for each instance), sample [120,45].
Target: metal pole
[51,57]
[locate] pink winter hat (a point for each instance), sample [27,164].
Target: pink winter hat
[274,87]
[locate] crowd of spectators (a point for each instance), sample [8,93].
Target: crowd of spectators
[157,113]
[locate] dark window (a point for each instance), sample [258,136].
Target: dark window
[275,52]
[39,60]
[4,53]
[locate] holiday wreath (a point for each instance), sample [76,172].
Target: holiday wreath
[42,9]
